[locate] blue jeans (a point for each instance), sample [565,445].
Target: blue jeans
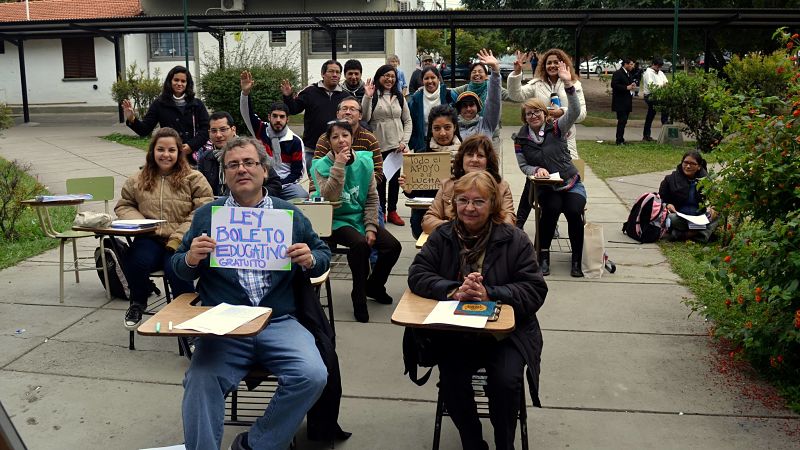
[148,255]
[293,190]
[284,348]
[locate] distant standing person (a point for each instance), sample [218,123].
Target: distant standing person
[652,77]
[352,81]
[416,78]
[386,111]
[622,87]
[394,61]
[319,101]
[176,108]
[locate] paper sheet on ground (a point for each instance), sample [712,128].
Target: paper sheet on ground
[702,219]
[223,318]
[391,164]
[444,313]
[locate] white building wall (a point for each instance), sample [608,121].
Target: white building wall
[44,71]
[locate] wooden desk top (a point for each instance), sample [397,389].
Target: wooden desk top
[108,231]
[413,204]
[181,309]
[335,204]
[412,310]
[35,203]
[546,181]
[423,238]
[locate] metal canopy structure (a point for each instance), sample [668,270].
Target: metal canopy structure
[218,24]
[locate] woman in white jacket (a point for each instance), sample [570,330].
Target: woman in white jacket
[545,83]
[387,113]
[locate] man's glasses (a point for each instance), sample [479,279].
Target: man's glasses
[350,109]
[478,203]
[234,165]
[221,130]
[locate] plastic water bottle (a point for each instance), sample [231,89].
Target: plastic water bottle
[555,101]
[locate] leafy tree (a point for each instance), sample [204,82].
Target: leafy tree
[468,43]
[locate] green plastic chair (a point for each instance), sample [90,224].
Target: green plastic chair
[101,188]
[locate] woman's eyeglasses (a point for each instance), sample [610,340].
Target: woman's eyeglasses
[534,113]
[478,203]
[234,165]
[690,164]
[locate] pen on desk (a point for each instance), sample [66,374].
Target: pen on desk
[158,327]
[170,325]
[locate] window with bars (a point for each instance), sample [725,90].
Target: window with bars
[349,41]
[170,45]
[78,56]
[277,38]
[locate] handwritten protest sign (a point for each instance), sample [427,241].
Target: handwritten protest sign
[426,170]
[251,238]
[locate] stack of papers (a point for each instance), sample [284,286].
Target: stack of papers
[444,313]
[696,222]
[135,224]
[223,318]
[555,176]
[421,200]
[64,197]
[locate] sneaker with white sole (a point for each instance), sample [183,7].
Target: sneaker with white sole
[133,317]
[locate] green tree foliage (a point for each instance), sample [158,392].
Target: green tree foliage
[6,121]
[698,102]
[761,76]
[15,186]
[138,87]
[220,87]
[468,43]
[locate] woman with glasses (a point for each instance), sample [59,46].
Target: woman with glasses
[479,256]
[178,108]
[166,188]
[541,148]
[346,176]
[476,154]
[386,111]
[679,191]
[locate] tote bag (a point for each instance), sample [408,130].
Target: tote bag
[593,250]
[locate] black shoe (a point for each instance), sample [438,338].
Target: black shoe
[648,139]
[133,317]
[240,442]
[622,143]
[360,311]
[576,270]
[379,294]
[544,262]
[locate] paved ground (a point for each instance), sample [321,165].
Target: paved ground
[623,366]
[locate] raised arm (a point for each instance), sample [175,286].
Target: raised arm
[491,115]
[566,121]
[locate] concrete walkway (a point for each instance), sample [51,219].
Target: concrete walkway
[623,366]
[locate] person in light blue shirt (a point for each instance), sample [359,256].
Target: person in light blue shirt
[394,61]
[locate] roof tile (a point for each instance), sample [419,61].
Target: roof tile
[70,9]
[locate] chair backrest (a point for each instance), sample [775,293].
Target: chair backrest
[101,188]
[320,215]
[581,166]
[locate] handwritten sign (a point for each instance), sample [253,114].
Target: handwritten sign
[251,238]
[426,170]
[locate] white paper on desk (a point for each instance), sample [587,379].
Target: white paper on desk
[422,200]
[223,318]
[171,447]
[702,219]
[136,222]
[392,163]
[444,313]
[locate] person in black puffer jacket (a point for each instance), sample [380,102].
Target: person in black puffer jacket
[177,108]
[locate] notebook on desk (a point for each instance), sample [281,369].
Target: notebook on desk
[135,224]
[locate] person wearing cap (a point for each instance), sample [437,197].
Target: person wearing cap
[416,78]
[469,104]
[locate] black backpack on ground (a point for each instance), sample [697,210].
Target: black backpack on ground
[116,277]
[647,221]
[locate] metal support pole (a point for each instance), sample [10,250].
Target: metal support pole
[186,31]
[332,34]
[577,59]
[452,57]
[675,39]
[221,44]
[706,51]
[120,73]
[26,112]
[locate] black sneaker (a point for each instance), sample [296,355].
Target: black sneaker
[133,317]
[240,442]
[378,293]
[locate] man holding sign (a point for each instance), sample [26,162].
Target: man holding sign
[284,347]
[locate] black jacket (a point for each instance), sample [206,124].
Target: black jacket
[209,167]
[191,123]
[510,273]
[621,98]
[552,153]
[675,187]
[319,105]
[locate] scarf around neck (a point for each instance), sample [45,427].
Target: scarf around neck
[473,247]
[480,89]
[275,142]
[429,100]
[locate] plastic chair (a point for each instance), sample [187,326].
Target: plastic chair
[101,188]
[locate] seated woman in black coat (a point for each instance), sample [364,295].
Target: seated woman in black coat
[177,108]
[680,193]
[476,257]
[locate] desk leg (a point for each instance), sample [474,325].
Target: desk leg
[533,199]
[105,267]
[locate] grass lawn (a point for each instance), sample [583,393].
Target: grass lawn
[126,139]
[30,240]
[608,160]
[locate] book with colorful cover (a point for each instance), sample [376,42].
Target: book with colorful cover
[487,309]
